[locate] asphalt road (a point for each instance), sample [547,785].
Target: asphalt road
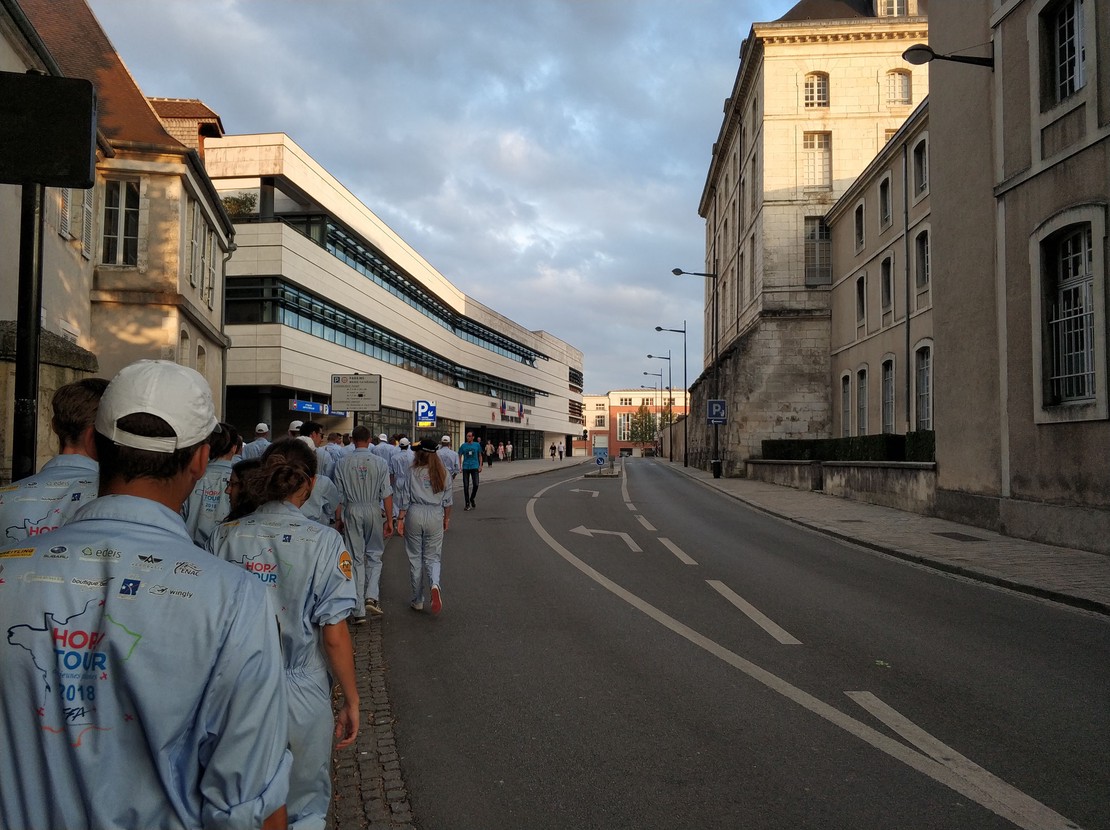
[715,667]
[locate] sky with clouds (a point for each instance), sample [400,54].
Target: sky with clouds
[546,156]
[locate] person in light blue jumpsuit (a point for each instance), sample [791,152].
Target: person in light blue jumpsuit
[363,481]
[423,517]
[325,502]
[208,503]
[451,464]
[308,573]
[142,679]
[48,499]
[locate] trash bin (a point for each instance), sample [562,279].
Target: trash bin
[716,465]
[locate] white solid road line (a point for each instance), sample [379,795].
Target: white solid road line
[754,614]
[1014,805]
[676,550]
[897,750]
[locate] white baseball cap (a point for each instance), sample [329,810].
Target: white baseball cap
[446,439]
[296,425]
[404,442]
[383,437]
[261,427]
[176,394]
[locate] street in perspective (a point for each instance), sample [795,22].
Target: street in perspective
[657,648]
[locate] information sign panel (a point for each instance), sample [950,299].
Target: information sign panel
[358,393]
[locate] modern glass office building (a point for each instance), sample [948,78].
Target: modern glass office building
[318,286]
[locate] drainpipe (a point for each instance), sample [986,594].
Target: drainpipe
[231,249]
[906,270]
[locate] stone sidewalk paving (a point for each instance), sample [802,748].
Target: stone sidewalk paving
[369,792]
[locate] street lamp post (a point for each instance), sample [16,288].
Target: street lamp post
[921,53]
[715,461]
[656,389]
[685,398]
[669,405]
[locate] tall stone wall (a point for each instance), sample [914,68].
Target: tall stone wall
[775,380]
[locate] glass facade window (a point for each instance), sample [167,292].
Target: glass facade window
[270,300]
[818,251]
[817,160]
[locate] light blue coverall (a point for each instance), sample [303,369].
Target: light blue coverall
[423,528]
[363,481]
[208,504]
[323,502]
[48,499]
[141,679]
[307,569]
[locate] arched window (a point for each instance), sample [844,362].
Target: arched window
[816,90]
[184,351]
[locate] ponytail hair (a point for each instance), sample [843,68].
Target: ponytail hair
[287,465]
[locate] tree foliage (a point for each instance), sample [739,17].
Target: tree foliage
[643,426]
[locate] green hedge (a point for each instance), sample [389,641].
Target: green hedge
[914,446]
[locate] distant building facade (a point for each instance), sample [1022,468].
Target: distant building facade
[611,414]
[817,95]
[882,346]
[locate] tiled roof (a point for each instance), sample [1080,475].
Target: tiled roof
[830,10]
[183,108]
[81,48]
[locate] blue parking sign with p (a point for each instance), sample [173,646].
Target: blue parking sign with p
[425,414]
[717,412]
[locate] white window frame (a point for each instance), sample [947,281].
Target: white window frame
[886,201]
[893,8]
[861,400]
[899,88]
[1047,408]
[817,160]
[816,90]
[846,404]
[887,386]
[817,247]
[923,385]
[1066,29]
[128,187]
[919,161]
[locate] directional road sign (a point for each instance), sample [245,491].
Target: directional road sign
[717,413]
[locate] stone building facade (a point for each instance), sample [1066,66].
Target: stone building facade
[818,93]
[882,345]
[1021,166]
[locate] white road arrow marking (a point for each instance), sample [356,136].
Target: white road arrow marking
[591,492]
[584,531]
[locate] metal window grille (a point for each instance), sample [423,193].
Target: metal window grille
[1072,319]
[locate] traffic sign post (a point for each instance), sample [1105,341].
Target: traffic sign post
[358,393]
[716,413]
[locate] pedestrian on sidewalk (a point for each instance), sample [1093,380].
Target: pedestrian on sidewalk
[171,722]
[508,450]
[308,572]
[29,507]
[363,480]
[552,450]
[561,450]
[423,519]
[470,458]
[489,453]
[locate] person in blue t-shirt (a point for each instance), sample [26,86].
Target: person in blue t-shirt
[470,456]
